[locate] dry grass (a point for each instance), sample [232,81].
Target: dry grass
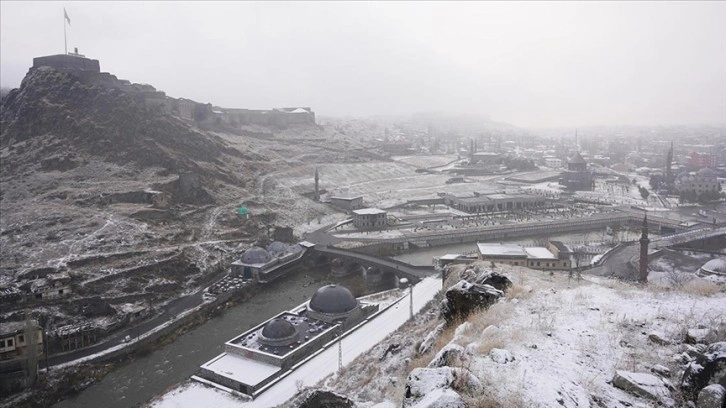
[699,287]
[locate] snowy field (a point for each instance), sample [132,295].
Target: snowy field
[194,395]
[381,184]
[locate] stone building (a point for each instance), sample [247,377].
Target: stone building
[262,354]
[702,181]
[369,218]
[515,255]
[483,203]
[347,203]
[256,262]
[15,355]
[577,177]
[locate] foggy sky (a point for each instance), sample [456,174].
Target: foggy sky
[529,64]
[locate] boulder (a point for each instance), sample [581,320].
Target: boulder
[494,279]
[658,338]
[325,399]
[425,385]
[712,396]
[464,298]
[642,385]
[501,356]
[702,336]
[450,355]
[707,368]
[440,398]
[661,370]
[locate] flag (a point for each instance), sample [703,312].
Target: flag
[68,19]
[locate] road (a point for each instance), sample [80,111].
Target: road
[168,312]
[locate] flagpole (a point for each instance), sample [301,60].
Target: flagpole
[65,41]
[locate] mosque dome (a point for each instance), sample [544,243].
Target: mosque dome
[715,266]
[278,248]
[333,299]
[278,332]
[256,255]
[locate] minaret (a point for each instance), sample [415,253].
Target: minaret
[644,241]
[317,189]
[669,160]
[471,150]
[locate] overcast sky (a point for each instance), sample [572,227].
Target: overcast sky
[529,64]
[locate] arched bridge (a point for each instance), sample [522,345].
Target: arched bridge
[412,272]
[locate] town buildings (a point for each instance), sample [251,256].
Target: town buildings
[532,257]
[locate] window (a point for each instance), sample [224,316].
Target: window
[60,291]
[2,343]
[10,342]
[537,263]
[21,339]
[516,264]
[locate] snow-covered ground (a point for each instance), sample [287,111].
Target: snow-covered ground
[567,339]
[191,394]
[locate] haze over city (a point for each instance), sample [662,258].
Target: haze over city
[529,64]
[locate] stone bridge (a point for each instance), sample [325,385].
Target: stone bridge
[386,265]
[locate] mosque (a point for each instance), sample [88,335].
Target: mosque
[252,361]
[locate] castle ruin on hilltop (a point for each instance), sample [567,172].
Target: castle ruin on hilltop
[89,71]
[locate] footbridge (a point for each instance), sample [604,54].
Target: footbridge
[401,269]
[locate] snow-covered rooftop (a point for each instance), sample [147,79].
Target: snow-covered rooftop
[369,211]
[244,370]
[500,250]
[539,253]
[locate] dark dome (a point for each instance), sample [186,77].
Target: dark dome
[333,299]
[278,248]
[256,255]
[278,329]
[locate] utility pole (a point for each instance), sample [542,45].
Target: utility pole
[340,347]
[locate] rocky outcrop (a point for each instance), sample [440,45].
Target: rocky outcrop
[325,399]
[439,387]
[642,384]
[707,368]
[494,279]
[464,298]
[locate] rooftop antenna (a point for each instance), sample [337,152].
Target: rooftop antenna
[66,19]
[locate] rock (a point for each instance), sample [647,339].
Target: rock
[425,386]
[662,371]
[451,355]
[707,368]
[431,339]
[712,396]
[501,356]
[695,336]
[325,399]
[440,398]
[641,384]
[494,279]
[658,338]
[464,298]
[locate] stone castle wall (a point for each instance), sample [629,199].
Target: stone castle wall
[89,71]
